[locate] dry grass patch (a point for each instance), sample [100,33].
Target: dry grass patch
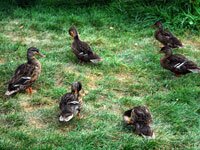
[30,38]
[45,103]
[2,61]
[35,122]
[24,36]
[93,79]
[123,79]
[194,43]
[26,106]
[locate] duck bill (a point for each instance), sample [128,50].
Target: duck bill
[76,91]
[41,55]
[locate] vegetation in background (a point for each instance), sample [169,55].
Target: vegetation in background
[179,14]
[130,75]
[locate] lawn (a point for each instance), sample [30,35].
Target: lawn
[129,75]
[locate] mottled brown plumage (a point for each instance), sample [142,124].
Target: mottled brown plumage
[166,37]
[177,63]
[81,49]
[70,104]
[26,74]
[140,118]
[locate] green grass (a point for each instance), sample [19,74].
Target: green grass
[130,75]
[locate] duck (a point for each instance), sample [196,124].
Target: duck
[166,37]
[140,118]
[177,63]
[71,103]
[25,74]
[81,49]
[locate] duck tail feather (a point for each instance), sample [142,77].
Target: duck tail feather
[8,93]
[96,60]
[197,70]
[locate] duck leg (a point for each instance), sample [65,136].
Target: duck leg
[29,90]
[79,115]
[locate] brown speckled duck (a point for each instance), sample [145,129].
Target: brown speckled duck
[70,104]
[166,37]
[81,49]
[177,63]
[140,118]
[26,74]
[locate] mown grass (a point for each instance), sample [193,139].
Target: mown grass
[130,75]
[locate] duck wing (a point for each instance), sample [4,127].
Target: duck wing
[171,40]
[65,99]
[22,78]
[81,47]
[69,106]
[180,64]
[162,36]
[83,51]
[142,114]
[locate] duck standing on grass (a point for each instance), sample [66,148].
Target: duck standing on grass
[166,37]
[81,49]
[177,63]
[26,74]
[70,104]
[140,118]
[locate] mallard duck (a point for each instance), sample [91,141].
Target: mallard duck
[81,49]
[70,104]
[26,74]
[177,63]
[140,118]
[166,37]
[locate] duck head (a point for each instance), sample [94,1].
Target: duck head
[166,50]
[73,32]
[32,52]
[141,114]
[157,24]
[76,87]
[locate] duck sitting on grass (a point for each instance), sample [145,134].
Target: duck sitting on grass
[140,118]
[81,49]
[166,37]
[70,104]
[177,63]
[26,74]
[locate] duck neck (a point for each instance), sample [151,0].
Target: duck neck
[33,60]
[76,37]
[76,95]
[168,54]
[160,28]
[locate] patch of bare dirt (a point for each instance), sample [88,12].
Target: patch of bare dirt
[26,106]
[33,121]
[2,61]
[192,43]
[93,78]
[28,37]
[123,79]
